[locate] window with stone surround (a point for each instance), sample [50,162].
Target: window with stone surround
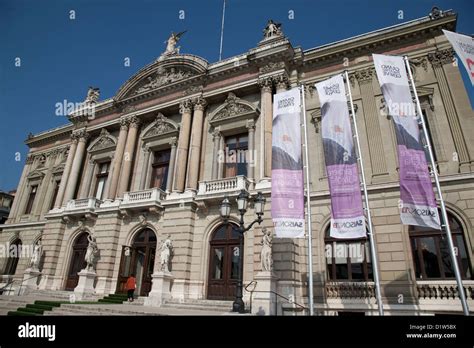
[55,193]
[31,199]
[160,168]
[236,152]
[431,256]
[101,179]
[348,259]
[14,257]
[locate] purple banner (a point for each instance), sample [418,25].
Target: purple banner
[416,191]
[347,215]
[287,166]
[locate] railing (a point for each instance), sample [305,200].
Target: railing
[235,183]
[254,283]
[443,290]
[151,195]
[82,204]
[10,284]
[350,290]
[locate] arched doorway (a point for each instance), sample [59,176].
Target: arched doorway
[138,259]
[77,263]
[223,263]
[14,256]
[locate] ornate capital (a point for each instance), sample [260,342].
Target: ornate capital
[199,103]
[281,81]
[439,58]
[250,125]
[185,106]
[364,75]
[124,123]
[134,121]
[173,142]
[216,134]
[266,84]
[80,135]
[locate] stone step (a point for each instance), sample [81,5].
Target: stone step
[97,310]
[207,306]
[212,303]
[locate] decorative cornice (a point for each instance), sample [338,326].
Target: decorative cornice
[441,57]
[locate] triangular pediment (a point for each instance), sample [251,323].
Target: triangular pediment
[161,126]
[104,142]
[232,108]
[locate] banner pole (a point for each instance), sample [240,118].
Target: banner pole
[444,214]
[367,207]
[308,207]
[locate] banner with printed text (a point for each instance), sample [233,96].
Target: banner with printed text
[418,204]
[287,166]
[347,215]
[464,47]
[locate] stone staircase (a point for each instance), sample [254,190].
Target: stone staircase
[205,305]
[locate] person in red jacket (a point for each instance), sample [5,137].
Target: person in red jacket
[130,286]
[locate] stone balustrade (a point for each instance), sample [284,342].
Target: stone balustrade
[224,186]
[350,290]
[443,290]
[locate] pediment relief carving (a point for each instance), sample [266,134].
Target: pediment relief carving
[58,169]
[36,174]
[105,141]
[233,107]
[160,78]
[159,127]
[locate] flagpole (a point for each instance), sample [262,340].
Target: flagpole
[367,207]
[308,208]
[444,213]
[222,32]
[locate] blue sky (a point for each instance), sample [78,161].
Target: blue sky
[61,57]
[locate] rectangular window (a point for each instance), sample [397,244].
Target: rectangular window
[236,152]
[160,167]
[55,194]
[102,176]
[31,199]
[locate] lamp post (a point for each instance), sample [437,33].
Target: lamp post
[242,202]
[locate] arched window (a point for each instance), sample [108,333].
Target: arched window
[348,259]
[14,255]
[431,252]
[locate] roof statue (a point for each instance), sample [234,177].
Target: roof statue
[171,43]
[272,30]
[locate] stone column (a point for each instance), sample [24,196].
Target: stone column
[76,165]
[21,188]
[251,157]
[118,157]
[66,171]
[128,156]
[89,173]
[267,120]
[169,180]
[220,165]
[438,59]
[372,123]
[216,138]
[183,145]
[196,139]
[146,167]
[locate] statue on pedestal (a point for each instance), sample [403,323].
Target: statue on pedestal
[36,257]
[266,253]
[171,43]
[272,29]
[92,254]
[165,256]
[92,95]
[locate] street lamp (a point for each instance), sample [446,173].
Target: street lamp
[242,202]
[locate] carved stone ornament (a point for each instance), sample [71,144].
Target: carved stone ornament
[104,141]
[272,66]
[159,79]
[92,95]
[160,126]
[232,108]
[272,30]
[365,75]
[439,58]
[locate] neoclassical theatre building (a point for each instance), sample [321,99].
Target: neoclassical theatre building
[155,161]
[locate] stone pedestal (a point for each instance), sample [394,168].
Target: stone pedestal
[264,299]
[160,289]
[85,286]
[30,280]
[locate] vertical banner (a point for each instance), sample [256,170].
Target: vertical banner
[416,191]
[464,47]
[347,215]
[287,166]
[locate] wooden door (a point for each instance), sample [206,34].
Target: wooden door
[78,262]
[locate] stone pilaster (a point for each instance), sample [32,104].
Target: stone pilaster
[146,167]
[183,145]
[118,157]
[128,156]
[251,156]
[196,142]
[66,171]
[267,118]
[171,169]
[216,138]
[372,123]
[89,173]
[438,59]
[82,136]
[21,185]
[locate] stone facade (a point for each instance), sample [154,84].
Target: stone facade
[188,106]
